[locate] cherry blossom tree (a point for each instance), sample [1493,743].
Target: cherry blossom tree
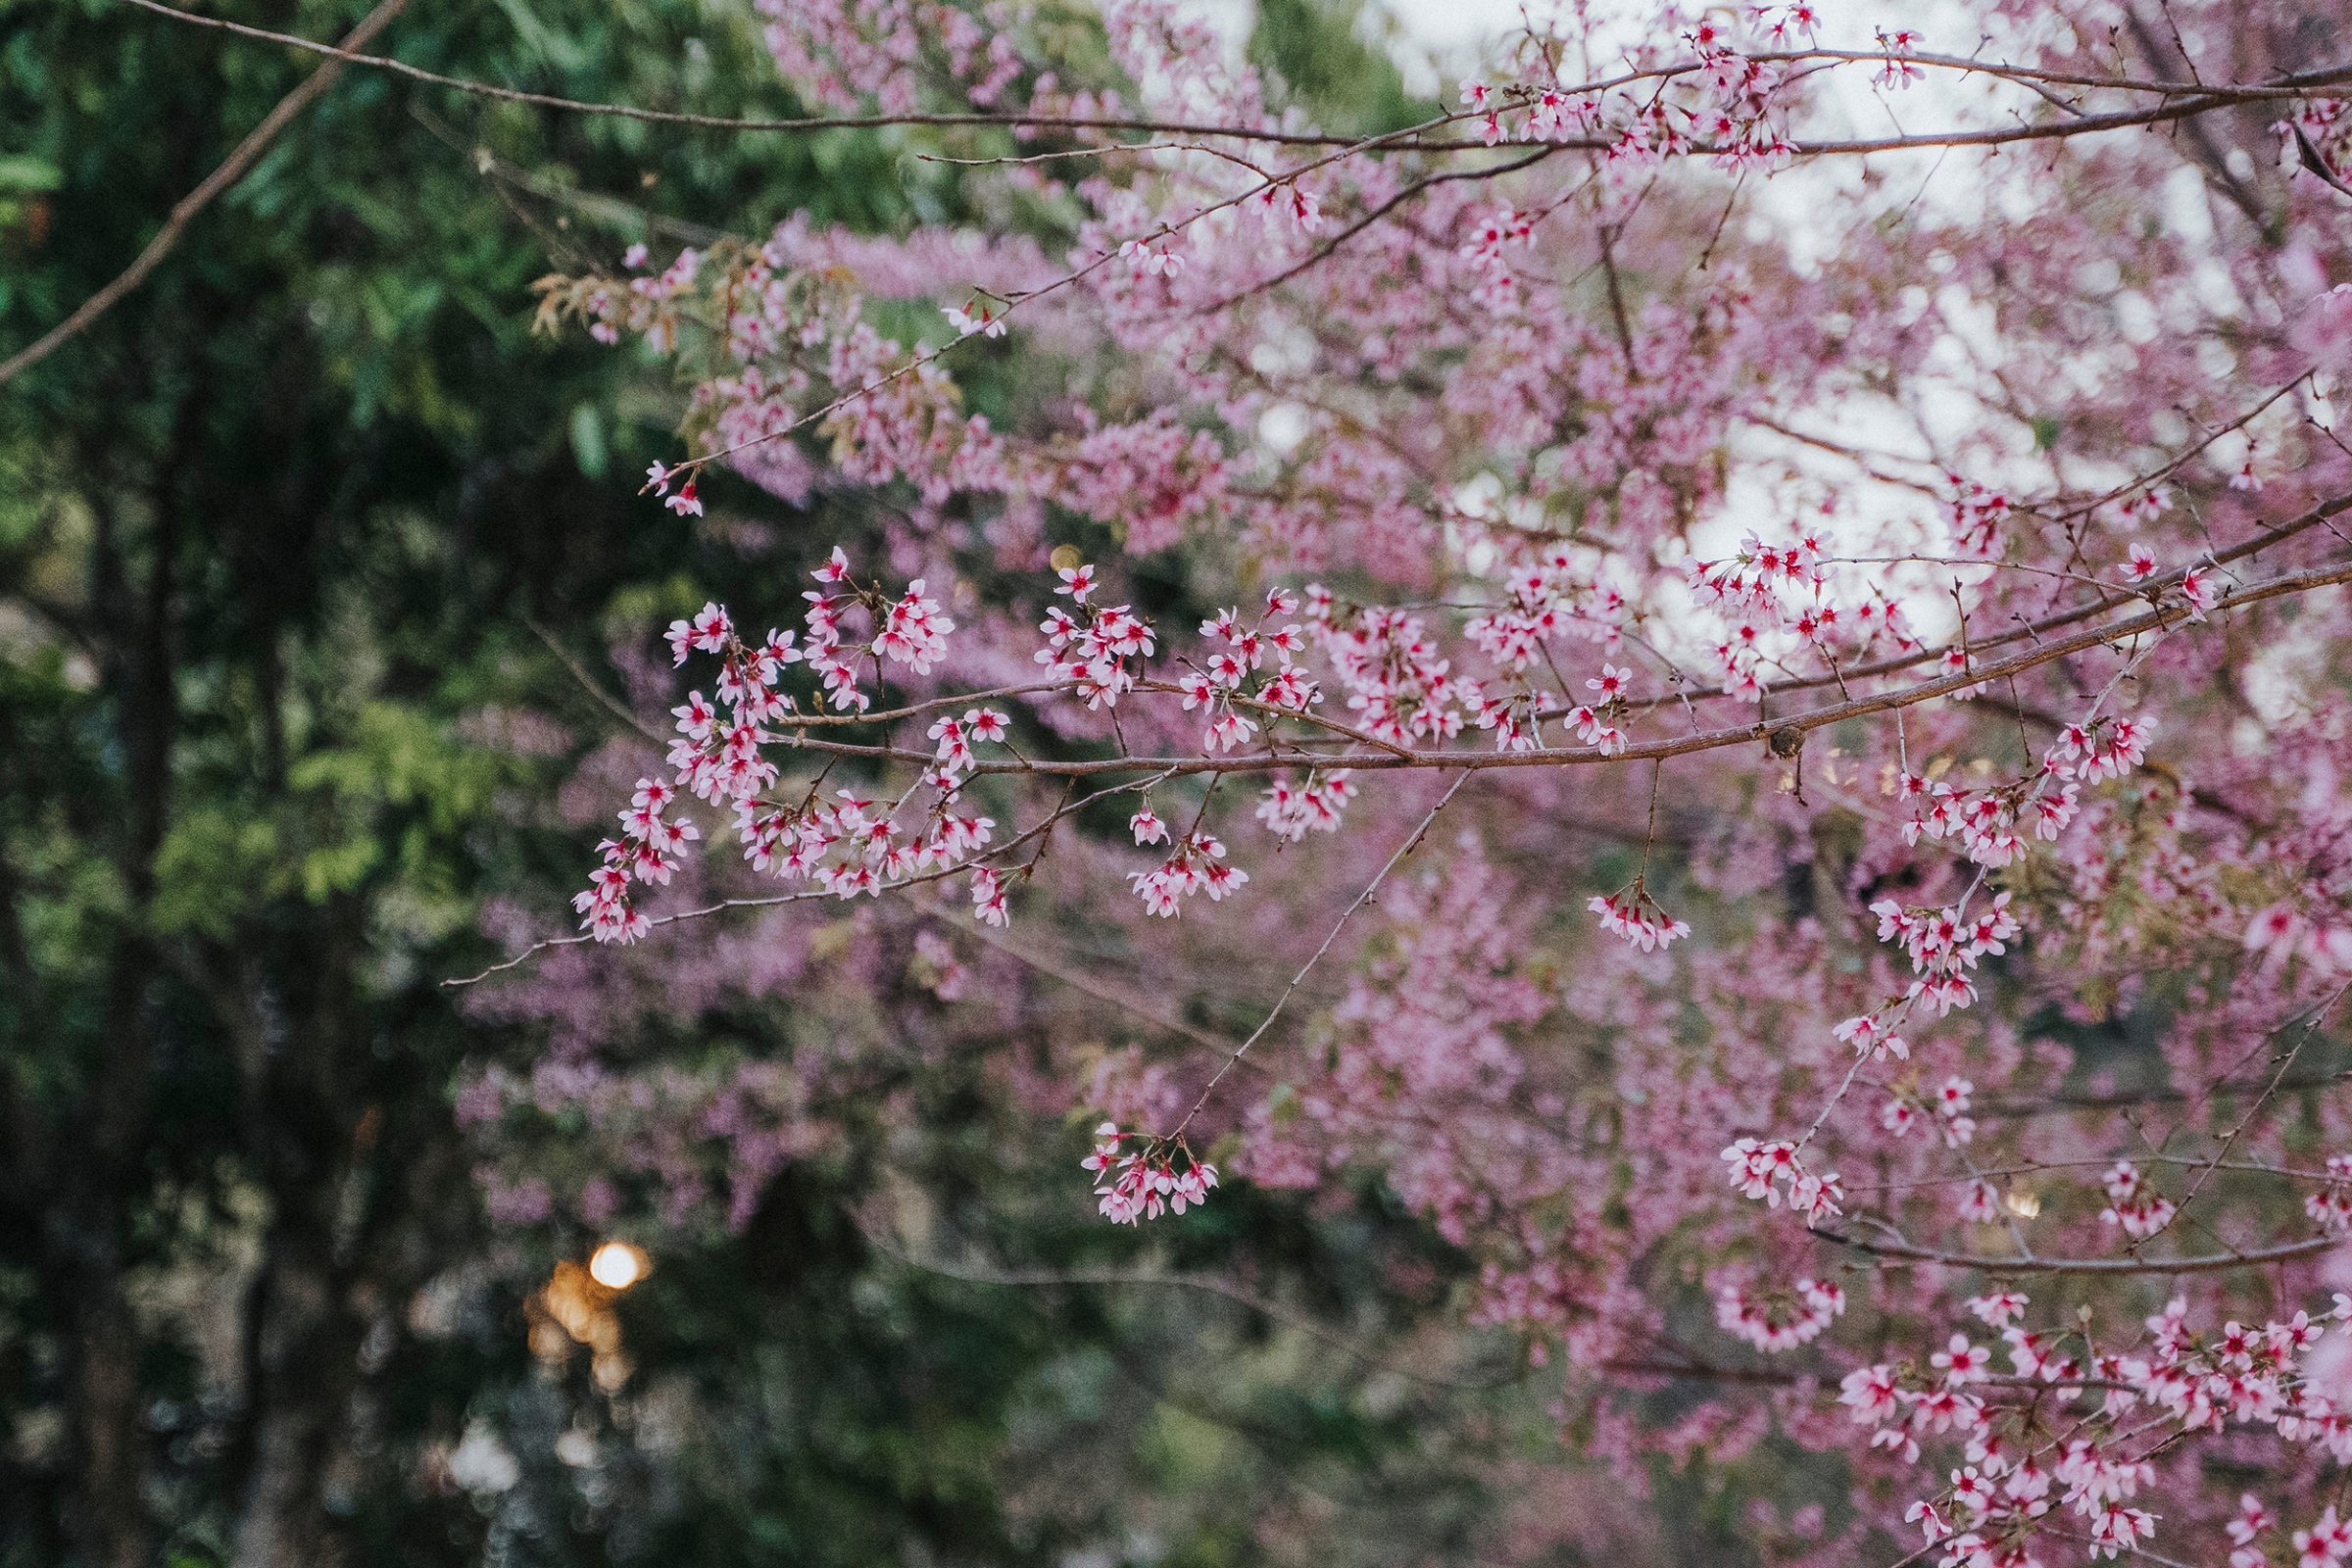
[1778,698]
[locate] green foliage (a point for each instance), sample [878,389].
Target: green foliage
[1332,55]
[270,536]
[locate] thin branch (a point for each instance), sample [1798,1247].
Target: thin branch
[1239,1051]
[348,53]
[233,168]
[2317,517]
[2183,100]
[2205,1263]
[588,683]
[1153,1279]
[1085,985]
[2230,1142]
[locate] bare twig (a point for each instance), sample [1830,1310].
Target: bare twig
[2180,100]
[233,168]
[1267,1022]
[2204,1263]
[1156,1280]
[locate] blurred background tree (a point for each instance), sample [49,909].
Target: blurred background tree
[284,540]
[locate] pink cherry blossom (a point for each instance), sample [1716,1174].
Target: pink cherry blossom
[1792,609]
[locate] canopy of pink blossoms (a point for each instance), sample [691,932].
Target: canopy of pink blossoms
[1776,758]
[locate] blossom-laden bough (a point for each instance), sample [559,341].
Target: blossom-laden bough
[1915,555]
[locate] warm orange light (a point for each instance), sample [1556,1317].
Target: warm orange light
[618,1265]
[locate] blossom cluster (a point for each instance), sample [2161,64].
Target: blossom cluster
[725,747]
[1775,1318]
[1142,1181]
[1774,1169]
[2028,1477]
[847,846]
